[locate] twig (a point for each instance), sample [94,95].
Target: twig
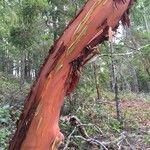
[124,138]
[120,140]
[68,139]
[132,148]
[139,49]
[91,141]
[74,121]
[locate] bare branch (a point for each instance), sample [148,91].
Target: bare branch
[91,141]
[137,49]
[68,139]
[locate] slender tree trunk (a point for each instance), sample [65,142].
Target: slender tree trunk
[143,58]
[96,82]
[134,83]
[112,67]
[117,100]
[114,81]
[145,19]
[10,66]
[3,61]
[54,21]
[22,69]
[27,72]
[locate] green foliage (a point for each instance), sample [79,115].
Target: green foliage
[4,136]
[4,115]
[8,89]
[8,117]
[5,131]
[11,103]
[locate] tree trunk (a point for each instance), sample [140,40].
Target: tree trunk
[117,100]
[38,125]
[145,18]
[134,83]
[96,82]
[27,71]
[114,81]
[3,60]
[22,69]
[112,68]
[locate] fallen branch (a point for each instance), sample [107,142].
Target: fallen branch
[74,121]
[91,141]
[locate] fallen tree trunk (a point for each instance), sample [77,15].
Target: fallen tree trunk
[38,125]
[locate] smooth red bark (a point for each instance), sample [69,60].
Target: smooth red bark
[38,125]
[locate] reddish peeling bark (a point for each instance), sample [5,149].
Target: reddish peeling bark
[38,125]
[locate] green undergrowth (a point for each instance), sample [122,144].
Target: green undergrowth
[11,104]
[5,128]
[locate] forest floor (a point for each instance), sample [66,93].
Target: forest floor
[136,117]
[132,132]
[137,109]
